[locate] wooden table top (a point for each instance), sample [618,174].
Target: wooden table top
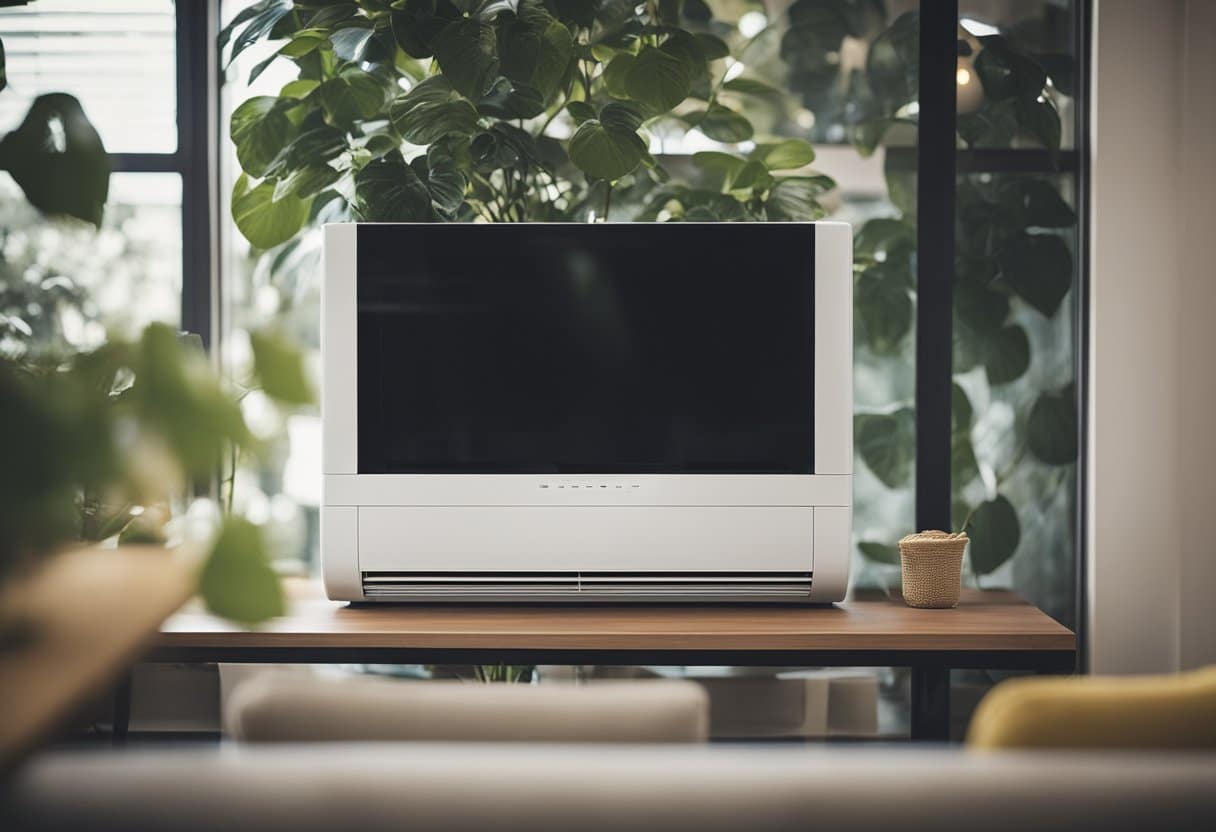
[83,616]
[983,621]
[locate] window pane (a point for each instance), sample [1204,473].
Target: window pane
[116,57]
[1014,366]
[1045,32]
[65,283]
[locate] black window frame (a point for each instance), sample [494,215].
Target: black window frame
[937,161]
[193,160]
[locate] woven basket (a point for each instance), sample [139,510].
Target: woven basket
[932,568]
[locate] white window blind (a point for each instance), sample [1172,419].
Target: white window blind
[116,57]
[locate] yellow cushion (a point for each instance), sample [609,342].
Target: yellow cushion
[1099,712]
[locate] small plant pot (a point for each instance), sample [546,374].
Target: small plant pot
[932,564]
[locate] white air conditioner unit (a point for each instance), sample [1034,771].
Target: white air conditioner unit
[603,412]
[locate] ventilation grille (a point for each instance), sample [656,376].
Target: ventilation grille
[690,586]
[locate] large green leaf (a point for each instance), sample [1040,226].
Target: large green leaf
[1006,354]
[796,198]
[883,306]
[535,49]
[616,74]
[1036,203]
[279,367]
[980,307]
[263,220]
[721,124]
[265,15]
[467,54]
[388,190]
[1039,268]
[1051,428]
[658,80]
[508,99]
[1008,73]
[784,155]
[351,96]
[306,182]
[720,167]
[887,443]
[445,181]
[176,396]
[419,22]
[608,147]
[57,158]
[1040,119]
[259,129]
[431,110]
[995,532]
[237,581]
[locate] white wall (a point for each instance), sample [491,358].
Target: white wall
[1197,331]
[1153,314]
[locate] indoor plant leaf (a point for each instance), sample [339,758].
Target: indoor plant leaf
[431,110]
[1039,268]
[466,52]
[994,532]
[616,74]
[784,155]
[1006,354]
[1051,428]
[883,305]
[57,158]
[350,96]
[388,190]
[1037,203]
[306,182]
[237,581]
[886,443]
[795,198]
[279,368]
[721,124]
[419,22]
[263,220]
[658,80]
[260,129]
[445,181]
[608,147]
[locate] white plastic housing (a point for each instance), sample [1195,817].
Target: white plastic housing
[741,537]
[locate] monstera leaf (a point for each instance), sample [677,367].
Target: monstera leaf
[58,159]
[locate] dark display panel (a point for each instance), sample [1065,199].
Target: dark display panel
[586,349]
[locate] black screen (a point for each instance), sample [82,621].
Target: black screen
[593,349]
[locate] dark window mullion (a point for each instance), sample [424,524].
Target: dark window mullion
[195,41]
[994,160]
[935,150]
[147,162]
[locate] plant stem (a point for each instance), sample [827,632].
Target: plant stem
[607,199]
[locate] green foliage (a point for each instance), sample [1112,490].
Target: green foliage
[1013,255]
[995,532]
[57,158]
[497,110]
[99,445]
[237,581]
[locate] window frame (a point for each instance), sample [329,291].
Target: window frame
[194,161]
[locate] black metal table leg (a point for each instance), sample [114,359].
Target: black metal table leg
[122,710]
[930,704]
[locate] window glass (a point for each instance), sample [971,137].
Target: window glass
[116,57]
[64,283]
[1022,38]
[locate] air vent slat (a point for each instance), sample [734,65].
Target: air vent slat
[674,586]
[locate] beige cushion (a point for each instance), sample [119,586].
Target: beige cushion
[606,788]
[289,707]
